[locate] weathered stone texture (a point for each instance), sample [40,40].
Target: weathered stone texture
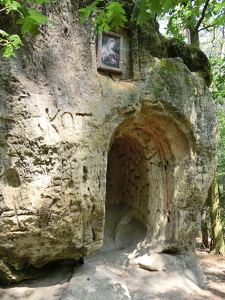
[74,140]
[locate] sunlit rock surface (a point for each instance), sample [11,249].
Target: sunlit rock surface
[76,141]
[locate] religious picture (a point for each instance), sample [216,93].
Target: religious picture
[109,52]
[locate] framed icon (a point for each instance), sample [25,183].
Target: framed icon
[109,52]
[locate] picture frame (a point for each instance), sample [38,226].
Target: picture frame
[109,52]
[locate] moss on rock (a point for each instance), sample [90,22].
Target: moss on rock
[192,56]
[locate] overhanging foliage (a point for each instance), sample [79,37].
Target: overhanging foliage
[28,18]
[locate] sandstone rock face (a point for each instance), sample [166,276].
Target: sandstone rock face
[75,141]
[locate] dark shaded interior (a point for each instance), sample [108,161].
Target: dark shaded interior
[127,181]
[140,181]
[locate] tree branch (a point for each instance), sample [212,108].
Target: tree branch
[207,27]
[4,8]
[202,16]
[5,44]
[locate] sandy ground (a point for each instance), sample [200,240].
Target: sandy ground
[104,276]
[111,274]
[214,268]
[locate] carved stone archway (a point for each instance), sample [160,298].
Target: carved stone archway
[143,154]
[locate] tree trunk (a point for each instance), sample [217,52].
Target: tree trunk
[192,31]
[223,179]
[204,228]
[216,224]
[193,36]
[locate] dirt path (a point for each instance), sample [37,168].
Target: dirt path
[103,277]
[214,269]
[115,274]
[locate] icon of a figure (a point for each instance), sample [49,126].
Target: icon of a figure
[110,53]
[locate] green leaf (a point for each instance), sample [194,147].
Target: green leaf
[43,1]
[87,11]
[3,33]
[38,17]
[219,6]
[34,14]
[39,1]
[8,51]
[29,25]
[29,19]
[156,6]
[101,23]
[24,11]
[9,44]
[136,10]
[116,15]
[141,13]
[168,5]
[12,6]
[6,2]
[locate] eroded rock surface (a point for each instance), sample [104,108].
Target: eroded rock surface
[75,141]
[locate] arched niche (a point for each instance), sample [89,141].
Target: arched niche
[143,154]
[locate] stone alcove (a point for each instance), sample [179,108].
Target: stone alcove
[143,155]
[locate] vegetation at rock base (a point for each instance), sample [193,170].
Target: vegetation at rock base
[215,205]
